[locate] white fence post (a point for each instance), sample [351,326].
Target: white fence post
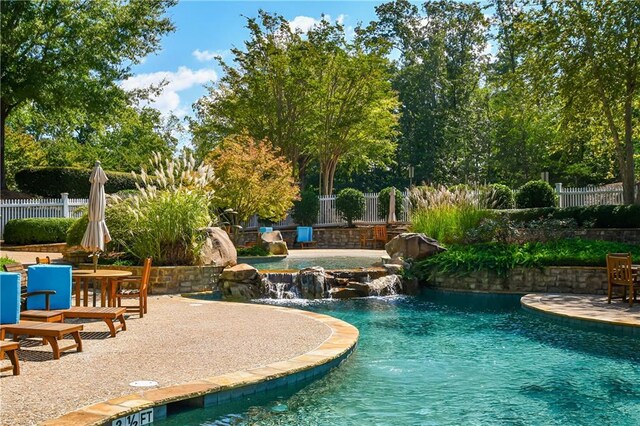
[65,204]
[559,192]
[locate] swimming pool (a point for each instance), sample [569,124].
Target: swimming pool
[297,263]
[441,359]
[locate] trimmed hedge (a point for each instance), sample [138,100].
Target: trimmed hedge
[350,204]
[535,193]
[592,216]
[37,230]
[51,181]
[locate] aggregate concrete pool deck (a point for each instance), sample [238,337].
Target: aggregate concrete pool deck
[585,307]
[179,341]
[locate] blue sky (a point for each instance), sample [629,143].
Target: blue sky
[207,28]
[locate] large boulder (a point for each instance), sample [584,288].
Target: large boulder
[344,293]
[218,249]
[312,283]
[241,282]
[271,237]
[383,286]
[273,242]
[413,246]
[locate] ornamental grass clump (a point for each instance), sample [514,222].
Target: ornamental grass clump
[446,215]
[167,214]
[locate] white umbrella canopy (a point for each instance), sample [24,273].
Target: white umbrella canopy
[97,233]
[391,218]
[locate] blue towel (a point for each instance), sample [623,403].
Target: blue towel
[305,234]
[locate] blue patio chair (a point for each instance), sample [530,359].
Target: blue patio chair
[305,236]
[264,229]
[55,278]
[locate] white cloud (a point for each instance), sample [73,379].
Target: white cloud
[168,101]
[207,55]
[305,23]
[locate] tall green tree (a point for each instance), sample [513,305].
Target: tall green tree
[317,97]
[66,55]
[586,54]
[440,67]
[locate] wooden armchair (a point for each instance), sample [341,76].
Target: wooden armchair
[379,235]
[620,273]
[140,293]
[43,260]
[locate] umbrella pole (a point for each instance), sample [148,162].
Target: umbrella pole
[95,261]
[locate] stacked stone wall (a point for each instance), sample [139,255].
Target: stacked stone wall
[554,279]
[174,279]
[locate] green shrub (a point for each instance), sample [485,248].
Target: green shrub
[350,204]
[499,197]
[535,193]
[4,260]
[51,181]
[118,220]
[592,216]
[383,203]
[305,210]
[501,258]
[37,230]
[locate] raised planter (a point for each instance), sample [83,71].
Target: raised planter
[174,279]
[552,279]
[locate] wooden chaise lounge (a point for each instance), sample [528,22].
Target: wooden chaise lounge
[11,349]
[108,315]
[51,332]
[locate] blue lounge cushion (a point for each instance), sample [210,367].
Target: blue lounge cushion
[49,277]
[9,297]
[305,234]
[264,229]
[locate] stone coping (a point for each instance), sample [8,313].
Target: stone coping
[585,307]
[220,389]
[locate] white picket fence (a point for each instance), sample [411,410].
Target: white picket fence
[45,207]
[328,214]
[588,196]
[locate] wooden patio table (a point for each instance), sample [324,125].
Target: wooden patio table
[106,277]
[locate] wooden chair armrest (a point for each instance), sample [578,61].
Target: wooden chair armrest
[47,296]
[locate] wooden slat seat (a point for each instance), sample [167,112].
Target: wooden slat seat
[51,332]
[40,315]
[11,349]
[108,315]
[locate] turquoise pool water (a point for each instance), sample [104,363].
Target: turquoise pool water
[442,359]
[334,262]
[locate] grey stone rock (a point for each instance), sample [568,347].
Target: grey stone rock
[218,249]
[312,283]
[278,248]
[413,246]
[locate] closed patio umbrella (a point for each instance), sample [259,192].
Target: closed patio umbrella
[97,234]
[391,218]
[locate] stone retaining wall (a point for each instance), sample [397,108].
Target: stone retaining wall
[623,235]
[174,279]
[39,248]
[553,279]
